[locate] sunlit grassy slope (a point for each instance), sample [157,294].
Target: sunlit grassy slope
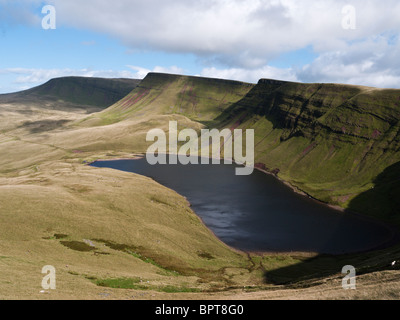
[98,226]
[114,235]
[200,99]
[59,101]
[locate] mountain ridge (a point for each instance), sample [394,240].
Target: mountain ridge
[198,98]
[78,92]
[329,140]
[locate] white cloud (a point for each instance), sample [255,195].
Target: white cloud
[252,75]
[237,38]
[37,76]
[142,72]
[373,62]
[239,33]
[172,69]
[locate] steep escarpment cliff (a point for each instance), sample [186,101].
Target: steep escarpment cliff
[331,141]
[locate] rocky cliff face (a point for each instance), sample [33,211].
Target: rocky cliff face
[306,109]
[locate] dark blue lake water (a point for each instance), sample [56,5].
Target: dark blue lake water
[258,212]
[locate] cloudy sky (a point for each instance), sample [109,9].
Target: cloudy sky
[339,41]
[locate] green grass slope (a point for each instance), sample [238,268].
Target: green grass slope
[331,141]
[200,99]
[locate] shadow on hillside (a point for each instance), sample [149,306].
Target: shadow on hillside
[43,125]
[313,271]
[383,202]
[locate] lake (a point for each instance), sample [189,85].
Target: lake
[259,213]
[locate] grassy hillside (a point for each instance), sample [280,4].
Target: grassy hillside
[102,229]
[200,99]
[60,101]
[331,141]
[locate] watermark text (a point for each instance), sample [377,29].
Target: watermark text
[349,20]
[49,21]
[349,281]
[165,150]
[49,281]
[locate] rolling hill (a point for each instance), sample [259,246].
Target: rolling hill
[60,101]
[74,92]
[200,99]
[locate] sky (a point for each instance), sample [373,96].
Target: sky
[318,41]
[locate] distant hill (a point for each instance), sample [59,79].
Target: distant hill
[74,92]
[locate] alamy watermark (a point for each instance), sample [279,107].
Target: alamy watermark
[349,20]
[197,147]
[49,21]
[349,281]
[49,280]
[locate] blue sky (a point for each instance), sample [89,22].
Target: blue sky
[302,40]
